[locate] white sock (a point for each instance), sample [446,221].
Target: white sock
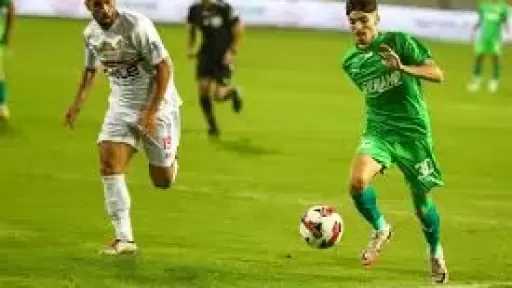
[117,202]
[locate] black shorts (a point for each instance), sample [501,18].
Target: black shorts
[214,68]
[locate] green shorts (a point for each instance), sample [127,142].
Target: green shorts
[492,47]
[413,156]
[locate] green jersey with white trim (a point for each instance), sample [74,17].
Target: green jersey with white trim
[493,16]
[394,100]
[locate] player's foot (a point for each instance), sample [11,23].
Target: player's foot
[377,241]
[213,132]
[4,112]
[493,86]
[439,269]
[474,85]
[237,101]
[118,247]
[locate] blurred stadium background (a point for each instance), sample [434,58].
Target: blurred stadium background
[232,219]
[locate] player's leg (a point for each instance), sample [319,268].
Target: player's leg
[476,82]
[4,110]
[225,90]
[364,169]
[421,171]
[114,158]
[428,215]
[162,151]
[372,158]
[206,89]
[494,83]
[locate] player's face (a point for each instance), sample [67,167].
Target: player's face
[103,11]
[363,26]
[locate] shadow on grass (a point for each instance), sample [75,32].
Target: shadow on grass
[244,146]
[5,129]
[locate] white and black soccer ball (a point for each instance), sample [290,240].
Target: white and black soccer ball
[321,227]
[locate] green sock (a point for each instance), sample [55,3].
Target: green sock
[429,217]
[366,204]
[477,69]
[3,92]
[497,70]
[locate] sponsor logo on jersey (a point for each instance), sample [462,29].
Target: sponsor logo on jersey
[215,21]
[383,83]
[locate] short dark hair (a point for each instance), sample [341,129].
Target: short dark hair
[367,6]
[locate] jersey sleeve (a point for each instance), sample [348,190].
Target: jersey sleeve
[231,16]
[91,61]
[412,51]
[149,43]
[192,17]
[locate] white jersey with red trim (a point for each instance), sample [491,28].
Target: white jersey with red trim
[128,52]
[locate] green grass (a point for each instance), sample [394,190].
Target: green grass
[232,219]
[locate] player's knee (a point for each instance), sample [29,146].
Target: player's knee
[357,184]
[108,167]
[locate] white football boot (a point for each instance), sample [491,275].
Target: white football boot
[118,247]
[378,240]
[474,85]
[4,112]
[493,85]
[439,269]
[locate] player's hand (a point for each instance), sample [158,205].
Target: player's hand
[71,115]
[229,57]
[390,58]
[147,122]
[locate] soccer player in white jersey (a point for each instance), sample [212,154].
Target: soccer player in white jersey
[143,107]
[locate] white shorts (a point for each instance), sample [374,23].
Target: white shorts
[160,149]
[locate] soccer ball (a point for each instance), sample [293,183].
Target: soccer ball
[321,227]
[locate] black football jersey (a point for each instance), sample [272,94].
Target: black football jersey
[215,22]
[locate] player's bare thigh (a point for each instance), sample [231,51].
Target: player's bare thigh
[114,157]
[364,169]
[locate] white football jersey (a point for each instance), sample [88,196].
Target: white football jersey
[128,52]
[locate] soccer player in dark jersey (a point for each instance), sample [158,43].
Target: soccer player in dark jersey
[221,31]
[388,69]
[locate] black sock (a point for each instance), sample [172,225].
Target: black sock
[207,107]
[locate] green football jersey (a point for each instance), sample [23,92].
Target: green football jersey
[493,15]
[394,100]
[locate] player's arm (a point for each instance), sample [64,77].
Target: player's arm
[162,76]
[192,40]
[477,25]
[192,20]
[9,20]
[428,70]
[238,31]
[88,76]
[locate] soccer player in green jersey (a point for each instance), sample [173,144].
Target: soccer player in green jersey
[388,69]
[493,17]
[6,19]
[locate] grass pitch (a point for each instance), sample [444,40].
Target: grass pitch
[232,219]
